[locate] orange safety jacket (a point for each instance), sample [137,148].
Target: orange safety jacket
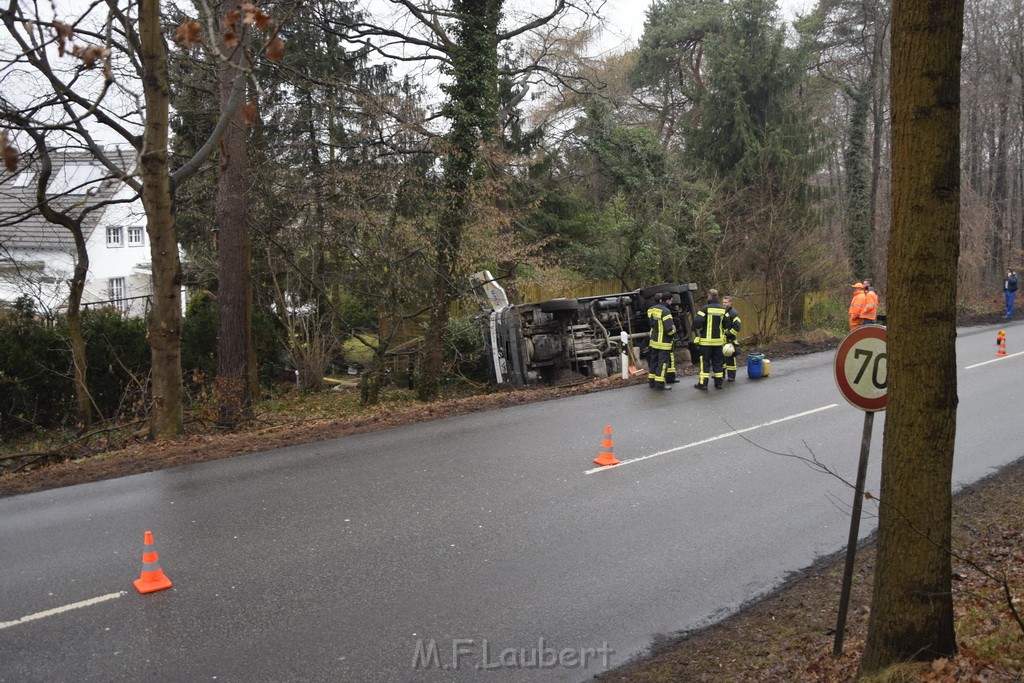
[857,308]
[870,310]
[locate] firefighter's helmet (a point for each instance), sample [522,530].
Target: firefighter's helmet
[728,350]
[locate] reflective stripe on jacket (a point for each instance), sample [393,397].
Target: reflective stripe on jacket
[662,326]
[857,303]
[732,324]
[710,325]
[870,309]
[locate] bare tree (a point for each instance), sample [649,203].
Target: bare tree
[105,75]
[993,92]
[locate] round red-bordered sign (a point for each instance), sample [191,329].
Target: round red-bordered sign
[862,369]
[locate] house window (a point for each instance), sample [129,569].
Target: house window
[114,237]
[135,236]
[115,291]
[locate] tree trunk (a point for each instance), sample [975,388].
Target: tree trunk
[234,257]
[1001,187]
[472,106]
[858,200]
[165,319]
[449,240]
[83,399]
[912,607]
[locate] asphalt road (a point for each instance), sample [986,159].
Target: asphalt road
[481,547]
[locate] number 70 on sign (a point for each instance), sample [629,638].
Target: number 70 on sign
[861,368]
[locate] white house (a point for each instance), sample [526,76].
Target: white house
[37,257]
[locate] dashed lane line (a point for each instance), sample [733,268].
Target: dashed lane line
[994,360]
[61,610]
[726,435]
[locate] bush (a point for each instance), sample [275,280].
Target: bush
[199,339]
[268,345]
[199,344]
[829,314]
[36,390]
[119,361]
[465,347]
[36,373]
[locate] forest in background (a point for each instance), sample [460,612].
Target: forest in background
[370,163]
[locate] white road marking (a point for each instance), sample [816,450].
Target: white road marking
[994,360]
[713,438]
[61,610]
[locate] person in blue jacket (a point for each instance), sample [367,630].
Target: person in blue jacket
[1010,291]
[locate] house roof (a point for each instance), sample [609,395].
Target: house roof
[78,185]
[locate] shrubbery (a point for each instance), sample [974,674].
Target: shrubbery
[35,373]
[118,359]
[199,344]
[36,376]
[829,314]
[37,379]
[465,345]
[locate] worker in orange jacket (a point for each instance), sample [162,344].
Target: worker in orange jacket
[857,305]
[869,314]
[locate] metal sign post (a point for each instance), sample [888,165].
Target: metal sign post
[624,354]
[861,370]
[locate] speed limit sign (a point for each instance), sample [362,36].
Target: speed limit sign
[862,373]
[862,368]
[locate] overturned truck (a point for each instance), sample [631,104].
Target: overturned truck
[590,336]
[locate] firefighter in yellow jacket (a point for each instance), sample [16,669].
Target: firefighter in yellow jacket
[660,344]
[732,336]
[709,326]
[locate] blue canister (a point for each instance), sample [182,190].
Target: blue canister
[755,365]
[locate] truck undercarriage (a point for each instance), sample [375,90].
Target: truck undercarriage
[591,336]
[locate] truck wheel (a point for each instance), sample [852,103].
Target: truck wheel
[558,305]
[648,292]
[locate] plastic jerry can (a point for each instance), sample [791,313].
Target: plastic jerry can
[755,365]
[766,367]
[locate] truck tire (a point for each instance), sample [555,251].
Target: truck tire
[648,292]
[558,305]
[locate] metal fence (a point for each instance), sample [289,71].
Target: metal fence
[132,306]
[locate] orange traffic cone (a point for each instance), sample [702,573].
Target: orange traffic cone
[1001,343]
[607,456]
[152,578]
